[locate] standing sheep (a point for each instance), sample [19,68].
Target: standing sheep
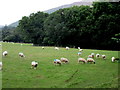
[91,60]
[65,60]
[56,48]
[43,47]
[34,64]
[82,60]
[79,53]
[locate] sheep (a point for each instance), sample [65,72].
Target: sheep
[82,60]
[97,55]
[65,60]
[91,60]
[67,48]
[103,56]
[115,59]
[21,44]
[79,53]
[5,53]
[92,54]
[56,48]
[80,50]
[57,62]
[0,65]
[34,64]
[43,47]
[21,54]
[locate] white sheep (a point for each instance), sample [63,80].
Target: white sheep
[91,60]
[80,50]
[104,56]
[5,53]
[1,65]
[43,47]
[115,59]
[90,56]
[82,60]
[34,64]
[57,62]
[65,60]
[97,55]
[56,48]
[67,48]
[21,54]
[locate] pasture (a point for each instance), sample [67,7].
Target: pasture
[17,72]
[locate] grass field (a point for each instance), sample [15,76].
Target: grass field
[17,72]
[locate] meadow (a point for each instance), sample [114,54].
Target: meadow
[17,72]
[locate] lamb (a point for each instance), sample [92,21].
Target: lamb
[56,48]
[57,62]
[67,48]
[82,60]
[34,64]
[65,60]
[21,54]
[91,60]
[103,56]
[0,65]
[115,59]
[5,53]
[97,55]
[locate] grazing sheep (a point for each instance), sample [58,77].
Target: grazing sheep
[90,56]
[65,60]
[82,60]
[67,48]
[115,59]
[80,50]
[91,60]
[97,55]
[34,64]
[0,65]
[103,56]
[43,47]
[5,53]
[21,55]
[79,53]
[56,48]
[57,62]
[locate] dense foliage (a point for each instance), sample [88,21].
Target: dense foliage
[94,26]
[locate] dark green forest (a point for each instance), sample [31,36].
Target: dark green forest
[95,27]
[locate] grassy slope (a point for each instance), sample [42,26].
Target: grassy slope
[17,72]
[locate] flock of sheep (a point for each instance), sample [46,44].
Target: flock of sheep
[90,58]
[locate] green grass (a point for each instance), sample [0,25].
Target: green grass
[17,72]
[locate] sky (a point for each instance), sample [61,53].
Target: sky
[13,10]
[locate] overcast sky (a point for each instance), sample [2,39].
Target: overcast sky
[13,10]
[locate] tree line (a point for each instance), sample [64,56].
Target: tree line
[95,26]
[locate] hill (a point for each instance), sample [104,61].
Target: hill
[15,24]
[67,6]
